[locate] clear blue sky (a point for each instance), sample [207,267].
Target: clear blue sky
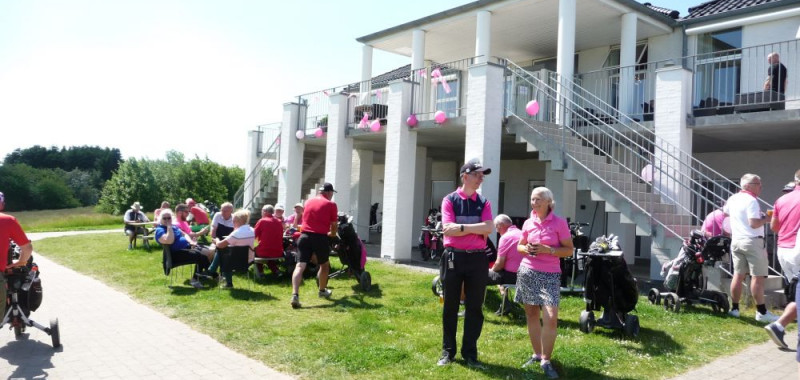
[148,76]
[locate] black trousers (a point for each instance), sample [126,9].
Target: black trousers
[501,278]
[469,270]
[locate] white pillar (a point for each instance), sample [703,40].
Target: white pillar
[565,60]
[399,177]
[483,37]
[339,152]
[361,196]
[417,49]
[627,62]
[420,182]
[366,72]
[251,182]
[484,125]
[290,172]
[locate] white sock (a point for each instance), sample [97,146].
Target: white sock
[545,362]
[779,326]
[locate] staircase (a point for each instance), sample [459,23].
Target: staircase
[606,152]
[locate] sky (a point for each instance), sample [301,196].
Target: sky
[149,76]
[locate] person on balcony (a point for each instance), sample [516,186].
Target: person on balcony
[786,222]
[545,239]
[776,74]
[747,246]
[466,222]
[504,270]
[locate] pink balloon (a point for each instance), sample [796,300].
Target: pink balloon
[440,117]
[318,133]
[375,126]
[300,135]
[647,173]
[412,120]
[532,108]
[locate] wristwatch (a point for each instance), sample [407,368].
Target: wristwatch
[552,250]
[462,228]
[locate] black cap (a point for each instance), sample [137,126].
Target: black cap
[327,187]
[786,189]
[474,165]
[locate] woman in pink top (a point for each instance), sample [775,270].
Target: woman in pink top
[545,239]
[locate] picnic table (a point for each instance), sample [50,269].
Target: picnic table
[146,235]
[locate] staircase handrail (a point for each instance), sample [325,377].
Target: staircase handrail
[248,182]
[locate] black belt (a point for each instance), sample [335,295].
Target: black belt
[471,251]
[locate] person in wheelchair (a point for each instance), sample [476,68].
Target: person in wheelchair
[504,270]
[10,230]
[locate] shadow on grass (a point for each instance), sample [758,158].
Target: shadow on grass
[374,292]
[357,301]
[505,372]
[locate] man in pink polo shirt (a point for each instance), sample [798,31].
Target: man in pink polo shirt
[504,270]
[785,222]
[467,221]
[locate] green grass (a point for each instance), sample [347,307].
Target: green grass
[71,219]
[394,331]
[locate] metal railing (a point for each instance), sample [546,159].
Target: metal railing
[734,80]
[620,152]
[315,108]
[635,97]
[265,170]
[368,101]
[440,87]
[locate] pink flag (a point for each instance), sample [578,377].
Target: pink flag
[378,94]
[364,120]
[437,75]
[325,92]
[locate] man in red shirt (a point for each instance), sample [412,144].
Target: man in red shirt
[10,230]
[269,233]
[199,216]
[319,224]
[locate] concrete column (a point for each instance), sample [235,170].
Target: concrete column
[420,182]
[290,172]
[484,129]
[565,55]
[361,195]
[251,182]
[417,49]
[399,177]
[564,191]
[483,37]
[627,59]
[366,71]
[339,152]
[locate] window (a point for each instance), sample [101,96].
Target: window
[717,68]
[448,102]
[613,60]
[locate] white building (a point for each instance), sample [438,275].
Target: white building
[644,119]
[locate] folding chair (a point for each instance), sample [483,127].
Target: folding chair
[235,260]
[168,263]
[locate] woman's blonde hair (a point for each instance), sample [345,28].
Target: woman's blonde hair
[241,216]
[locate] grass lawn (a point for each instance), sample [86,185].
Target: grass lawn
[71,219]
[394,331]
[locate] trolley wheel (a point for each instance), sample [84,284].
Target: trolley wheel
[55,335]
[366,281]
[722,300]
[671,303]
[436,287]
[587,321]
[18,332]
[425,252]
[654,296]
[631,325]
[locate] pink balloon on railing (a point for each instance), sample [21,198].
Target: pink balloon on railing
[375,126]
[299,135]
[412,120]
[532,108]
[440,117]
[647,173]
[318,133]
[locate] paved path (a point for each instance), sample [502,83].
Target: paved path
[107,335]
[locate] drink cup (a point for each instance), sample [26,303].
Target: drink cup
[769,213]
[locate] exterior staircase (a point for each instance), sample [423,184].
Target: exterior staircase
[605,153]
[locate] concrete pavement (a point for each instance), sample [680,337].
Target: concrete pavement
[107,335]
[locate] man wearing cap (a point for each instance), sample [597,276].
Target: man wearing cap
[10,230]
[199,216]
[295,220]
[467,221]
[785,222]
[319,224]
[279,213]
[134,215]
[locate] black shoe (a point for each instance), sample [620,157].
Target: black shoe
[445,360]
[209,274]
[474,363]
[228,285]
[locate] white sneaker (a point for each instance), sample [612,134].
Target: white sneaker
[735,313]
[767,317]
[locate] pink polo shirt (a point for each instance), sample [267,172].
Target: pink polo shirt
[507,247]
[550,232]
[714,223]
[466,242]
[787,210]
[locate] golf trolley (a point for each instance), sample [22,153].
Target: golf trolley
[25,296]
[574,263]
[351,252]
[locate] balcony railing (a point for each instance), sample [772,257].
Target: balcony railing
[315,107]
[734,80]
[367,102]
[440,87]
[608,84]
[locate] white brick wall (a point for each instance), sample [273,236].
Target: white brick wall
[339,152]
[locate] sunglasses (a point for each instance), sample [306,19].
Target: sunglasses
[167,218]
